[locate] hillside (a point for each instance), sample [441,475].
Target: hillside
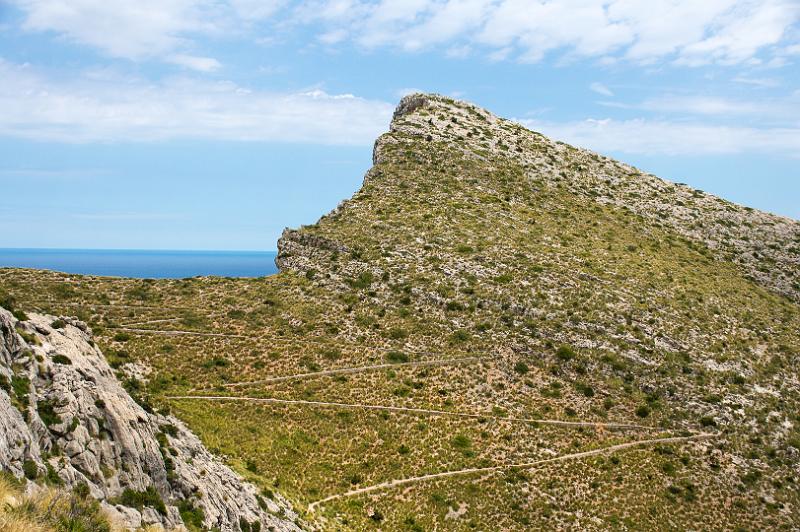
[497,332]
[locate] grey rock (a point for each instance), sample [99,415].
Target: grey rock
[97,434]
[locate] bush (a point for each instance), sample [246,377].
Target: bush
[216,362]
[363,281]
[58,324]
[192,516]
[521,368]
[565,353]
[585,389]
[61,359]
[47,413]
[122,337]
[396,357]
[140,499]
[708,421]
[504,278]
[398,333]
[459,336]
[21,387]
[643,411]
[30,469]
[7,301]
[461,441]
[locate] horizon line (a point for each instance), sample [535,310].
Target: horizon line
[139,249]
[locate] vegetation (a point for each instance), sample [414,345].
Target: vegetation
[542,282]
[49,510]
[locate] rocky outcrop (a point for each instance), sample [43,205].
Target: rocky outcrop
[301,251]
[766,247]
[65,418]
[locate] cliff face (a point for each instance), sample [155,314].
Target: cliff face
[66,419]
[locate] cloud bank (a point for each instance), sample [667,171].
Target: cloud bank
[113,109]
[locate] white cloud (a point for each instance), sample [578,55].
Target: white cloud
[684,31]
[113,109]
[705,105]
[201,64]
[688,32]
[642,136]
[253,10]
[757,82]
[131,29]
[599,88]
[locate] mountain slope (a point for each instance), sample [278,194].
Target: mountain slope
[497,331]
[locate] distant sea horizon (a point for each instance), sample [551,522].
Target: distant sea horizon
[143,263]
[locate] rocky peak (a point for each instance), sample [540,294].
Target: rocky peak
[429,129]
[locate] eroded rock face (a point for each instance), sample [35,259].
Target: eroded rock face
[65,416]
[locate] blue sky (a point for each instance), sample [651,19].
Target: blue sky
[214,124]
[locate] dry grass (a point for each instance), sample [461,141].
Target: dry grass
[50,510]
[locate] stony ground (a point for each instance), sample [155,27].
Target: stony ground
[532,282]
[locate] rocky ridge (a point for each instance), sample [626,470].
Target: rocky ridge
[765,246]
[66,419]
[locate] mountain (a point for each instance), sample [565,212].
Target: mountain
[496,332]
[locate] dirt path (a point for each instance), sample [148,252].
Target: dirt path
[359,369]
[150,322]
[575,456]
[178,333]
[410,410]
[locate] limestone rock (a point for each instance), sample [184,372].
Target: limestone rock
[59,396]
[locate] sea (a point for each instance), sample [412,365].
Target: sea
[143,264]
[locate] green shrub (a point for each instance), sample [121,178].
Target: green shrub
[52,477]
[521,368]
[396,357]
[30,469]
[504,278]
[565,353]
[7,301]
[398,333]
[61,359]
[141,499]
[58,324]
[708,421]
[460,441]
[21,387]
[122,337]
[47,413]
[363,281]
[459,336]
[216,362]
[192,516]
[643,411]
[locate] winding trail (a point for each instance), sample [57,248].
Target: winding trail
[150,322]
[575,456]
[411,410]
[357,369]
[178,333]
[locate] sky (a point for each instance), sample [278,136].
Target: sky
[214,124]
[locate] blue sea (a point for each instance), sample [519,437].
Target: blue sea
[152,264]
